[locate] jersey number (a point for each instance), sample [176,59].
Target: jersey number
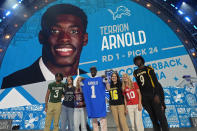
[93,92]
[56,93]
[131,95]
[142,79]
[114,95]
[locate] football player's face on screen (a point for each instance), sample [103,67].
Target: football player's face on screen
[66,39]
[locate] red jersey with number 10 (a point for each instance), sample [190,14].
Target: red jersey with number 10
[132,95]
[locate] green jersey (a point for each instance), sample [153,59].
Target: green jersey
[56,91]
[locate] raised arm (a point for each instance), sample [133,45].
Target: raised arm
[107,86]
[106,82]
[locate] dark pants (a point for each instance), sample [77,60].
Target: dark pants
[156,114]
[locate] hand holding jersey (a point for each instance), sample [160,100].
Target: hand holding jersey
[103,120]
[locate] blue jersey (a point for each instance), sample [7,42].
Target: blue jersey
[94,95]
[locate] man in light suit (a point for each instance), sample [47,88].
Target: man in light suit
[63,35]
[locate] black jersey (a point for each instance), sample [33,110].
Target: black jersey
[69,97]
[116,96]
[147,81]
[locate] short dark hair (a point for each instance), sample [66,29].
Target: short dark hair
[138,58]
[93,68]
[59,75]
[48,18]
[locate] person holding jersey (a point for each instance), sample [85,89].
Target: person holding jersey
[116,102]
[53,102]
[151,94]
[94,94]
[67,114]
[79,110]
[133,102]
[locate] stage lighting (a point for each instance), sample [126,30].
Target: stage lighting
[165,0]
[35,7]
[148,5]
[16,25]
[194,54]
[187,19]
[180,12]
[0,20]
[158,12]
[172,5]
[7,36]
[186,41]
[25,15]
[195,27]
[20,1]
[7,13]
[183,3]
[1,50]
[169,20]
[14,6]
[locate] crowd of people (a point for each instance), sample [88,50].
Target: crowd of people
[87,100]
